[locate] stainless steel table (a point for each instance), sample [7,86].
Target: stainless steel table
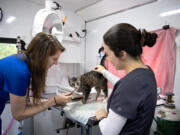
[72,113]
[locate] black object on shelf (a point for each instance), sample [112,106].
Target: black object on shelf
[165,27]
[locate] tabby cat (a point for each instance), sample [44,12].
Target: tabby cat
[85,82]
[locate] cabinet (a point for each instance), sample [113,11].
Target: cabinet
[46,123]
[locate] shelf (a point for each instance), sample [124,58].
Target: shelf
[70,39]
[72,62]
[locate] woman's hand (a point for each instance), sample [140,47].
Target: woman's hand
[101,114]
[61,100]
[99,68]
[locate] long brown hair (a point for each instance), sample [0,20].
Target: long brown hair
[39,49]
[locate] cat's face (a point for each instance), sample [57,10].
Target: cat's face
[74,82]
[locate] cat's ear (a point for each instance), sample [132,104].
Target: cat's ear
[74,79]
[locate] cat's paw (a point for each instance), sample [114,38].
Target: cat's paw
[84,101]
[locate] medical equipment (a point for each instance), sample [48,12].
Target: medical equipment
[168,118]
[52,20]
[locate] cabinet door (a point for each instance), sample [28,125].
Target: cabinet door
[6,119]
[46,123]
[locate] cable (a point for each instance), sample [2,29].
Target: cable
[58,6]
[85,32]
[1,14]
[9,127]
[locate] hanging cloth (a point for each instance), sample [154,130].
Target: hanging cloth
[162,59]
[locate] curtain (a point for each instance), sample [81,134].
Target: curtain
[161,58]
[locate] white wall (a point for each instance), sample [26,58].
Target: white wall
[24,12]
[141,17]
[74,50]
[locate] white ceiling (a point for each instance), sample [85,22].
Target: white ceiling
[90,10]
[109,7]
[72,5]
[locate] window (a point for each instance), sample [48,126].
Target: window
[7,49]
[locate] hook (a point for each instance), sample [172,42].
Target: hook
[165,27]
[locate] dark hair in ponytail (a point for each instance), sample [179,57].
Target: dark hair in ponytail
[126,37]
[149,38]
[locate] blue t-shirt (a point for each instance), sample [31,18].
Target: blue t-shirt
[134,97]
[14,77]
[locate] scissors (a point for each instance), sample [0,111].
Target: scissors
[74,91]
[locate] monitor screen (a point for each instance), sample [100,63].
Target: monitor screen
[7,49]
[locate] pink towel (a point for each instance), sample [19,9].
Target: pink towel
[162,59]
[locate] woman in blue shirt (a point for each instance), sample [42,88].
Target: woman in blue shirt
[19,72]
[131,105]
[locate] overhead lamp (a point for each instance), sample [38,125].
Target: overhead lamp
[10,19]
[171,12]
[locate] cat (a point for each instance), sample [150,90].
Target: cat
[85,82]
